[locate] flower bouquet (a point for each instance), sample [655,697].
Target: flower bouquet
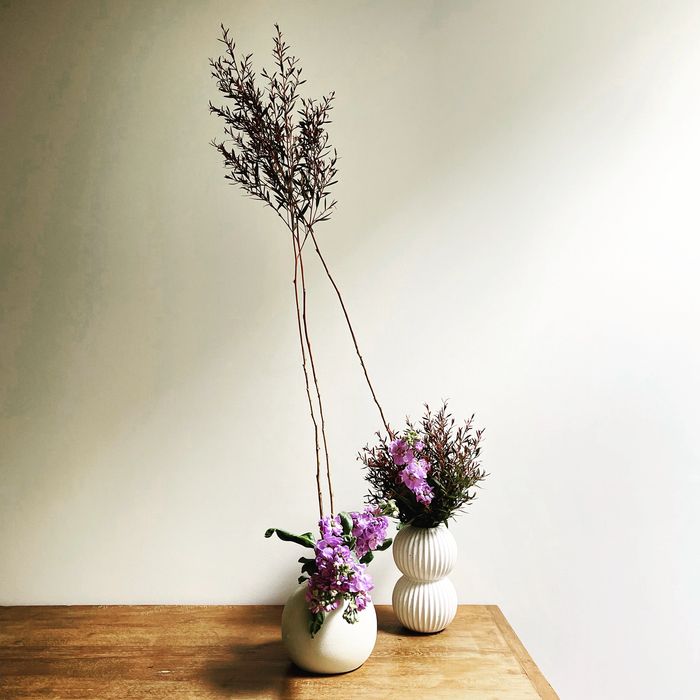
[336,585]
[276,148]
[430,472]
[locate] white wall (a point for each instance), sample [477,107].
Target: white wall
[518,231]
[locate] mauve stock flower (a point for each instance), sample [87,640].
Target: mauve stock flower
[330,527]
[369,530]
[401,452]
[414,473]
[414,476]
[424,494]
[339,575]
[415,469]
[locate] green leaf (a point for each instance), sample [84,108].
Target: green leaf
[301,579]
[367,558]
[316,622]
[305,540]
[309,565]
[385,545]
[346,522]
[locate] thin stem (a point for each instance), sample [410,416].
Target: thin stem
[280,155]
[306,378]
[352,332]
[314,376]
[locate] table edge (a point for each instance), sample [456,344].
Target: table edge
[530,668]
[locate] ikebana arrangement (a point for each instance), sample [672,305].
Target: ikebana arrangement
[430,472]
[277,149]
[336,587]
[336,576]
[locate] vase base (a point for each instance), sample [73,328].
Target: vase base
[426,607]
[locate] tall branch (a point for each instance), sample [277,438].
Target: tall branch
[350,328]
[276,148]
[319,490]
[313,373]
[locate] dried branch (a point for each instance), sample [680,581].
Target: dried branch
[315,378]
[352,331]
[319,490]
[277,149]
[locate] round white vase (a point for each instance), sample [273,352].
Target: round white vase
[425,600]
[338,647]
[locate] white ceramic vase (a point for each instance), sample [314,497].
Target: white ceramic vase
[337,647]
[425,600]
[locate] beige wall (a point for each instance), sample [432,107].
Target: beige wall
[517,230]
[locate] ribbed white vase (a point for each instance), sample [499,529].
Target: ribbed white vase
[425,600]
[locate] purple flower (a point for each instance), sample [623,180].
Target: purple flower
[330,526]
[414,473]
[361,599]
[339,575]
[401,452]
[414,476]
[415,470]
[424,494]
[369,530]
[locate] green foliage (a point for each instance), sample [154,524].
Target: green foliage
[316,622]
[367,558]
[308,565]
[305,540]
[346,522]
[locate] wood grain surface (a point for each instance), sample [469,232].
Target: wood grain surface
[174,652]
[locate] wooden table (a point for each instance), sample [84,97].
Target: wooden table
[193,652]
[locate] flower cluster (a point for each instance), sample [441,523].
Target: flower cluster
[336,576]
[369,529]
[404,452]
[430,469]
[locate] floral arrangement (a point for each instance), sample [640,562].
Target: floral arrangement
[429,470]
[338,570]
[276,148]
